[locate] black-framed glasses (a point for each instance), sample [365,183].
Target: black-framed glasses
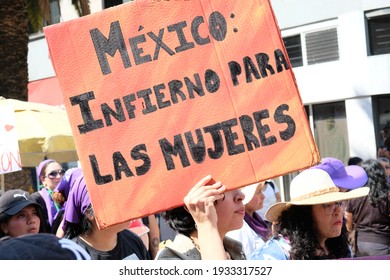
[330,208]
[55,173]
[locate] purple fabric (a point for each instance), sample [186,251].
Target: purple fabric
[68,181]
[257,224]
[78,202]
[42,164]
[347,177]
[51,208]
[45,193]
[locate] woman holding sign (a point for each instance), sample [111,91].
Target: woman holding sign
[209,213]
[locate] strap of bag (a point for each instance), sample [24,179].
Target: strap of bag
[271,184]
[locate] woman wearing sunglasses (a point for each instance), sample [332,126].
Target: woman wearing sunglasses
[310,226]
[50,173]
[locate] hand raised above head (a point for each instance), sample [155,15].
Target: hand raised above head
[200,200]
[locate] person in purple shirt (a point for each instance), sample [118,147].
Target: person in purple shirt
[60,196]
[50,173]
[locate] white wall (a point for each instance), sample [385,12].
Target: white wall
[293,13]
[354,75]
[68,12]
[38,59]
[361,133]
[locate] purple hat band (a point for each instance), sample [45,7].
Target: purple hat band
[42,164]
[347,177]
[77,203]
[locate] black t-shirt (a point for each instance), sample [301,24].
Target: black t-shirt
[128,247]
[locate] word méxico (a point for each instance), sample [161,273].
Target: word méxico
[116,42]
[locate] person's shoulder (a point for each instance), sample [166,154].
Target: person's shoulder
[273,249]
[134,242]
[353,202]
[234,248]
[41,246]
[167,253]
[181,248]
[129,235]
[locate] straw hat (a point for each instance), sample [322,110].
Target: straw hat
[311,187]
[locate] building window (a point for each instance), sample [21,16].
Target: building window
[55,13]
[378,25]
[311,47]
[330,130]
[294,50]
[322,46]
[36,21]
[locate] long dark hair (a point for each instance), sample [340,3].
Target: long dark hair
[297,225]
[377,182]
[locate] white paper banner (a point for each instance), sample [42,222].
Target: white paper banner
[9,147]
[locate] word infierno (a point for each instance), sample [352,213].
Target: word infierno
[165,95]
[223,136]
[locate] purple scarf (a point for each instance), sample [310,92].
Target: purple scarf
[258,225]
[51,207]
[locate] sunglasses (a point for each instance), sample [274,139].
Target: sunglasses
[330,208]
[55,173]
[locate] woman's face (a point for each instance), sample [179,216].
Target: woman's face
[25,222]
[328,219]
[257,200]
[52,175]
[230,211]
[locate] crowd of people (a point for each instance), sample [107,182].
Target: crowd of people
[327,203]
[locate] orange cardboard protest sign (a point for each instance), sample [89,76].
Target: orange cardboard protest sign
[162,93]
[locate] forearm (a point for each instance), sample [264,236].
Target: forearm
[154,236]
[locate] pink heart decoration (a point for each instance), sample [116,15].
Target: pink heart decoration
[9,127]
